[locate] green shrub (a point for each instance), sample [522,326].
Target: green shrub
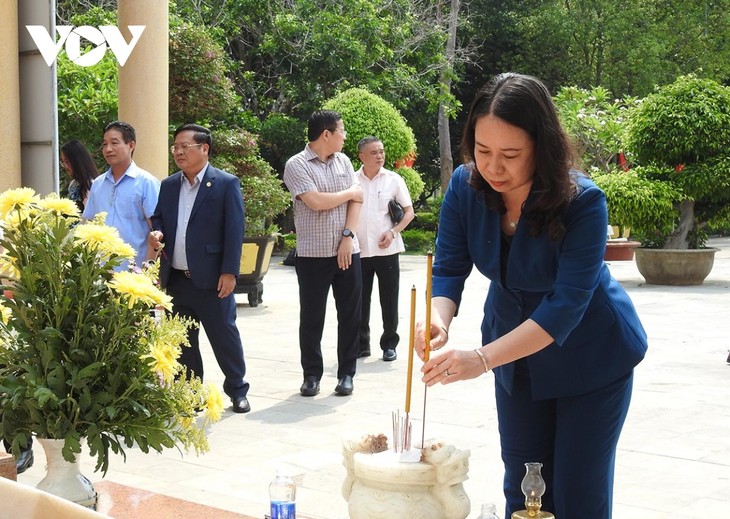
[413,180]
[424,220]
[367,114]
[419,241]
[236,151]
[200,90]
[281,137]
[595,122]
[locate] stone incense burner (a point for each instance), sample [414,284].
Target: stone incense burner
[379,484]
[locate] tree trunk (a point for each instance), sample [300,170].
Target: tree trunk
[447,161]
[679,239]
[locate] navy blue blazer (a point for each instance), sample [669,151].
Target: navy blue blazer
[215,230]
[564,286]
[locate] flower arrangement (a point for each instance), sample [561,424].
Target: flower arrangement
[81,354]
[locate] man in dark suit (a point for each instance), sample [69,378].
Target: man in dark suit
[199,219]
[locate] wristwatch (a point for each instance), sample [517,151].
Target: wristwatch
[347,233]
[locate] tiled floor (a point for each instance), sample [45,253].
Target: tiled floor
[125,502]
[674,454]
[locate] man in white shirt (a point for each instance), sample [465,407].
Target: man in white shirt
[380,242]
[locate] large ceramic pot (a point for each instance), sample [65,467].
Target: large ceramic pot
[255,260]
[63,478]
[675,266]
[620,250]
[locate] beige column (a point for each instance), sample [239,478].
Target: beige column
[144,80]
[9,96]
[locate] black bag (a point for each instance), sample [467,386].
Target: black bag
[395,211]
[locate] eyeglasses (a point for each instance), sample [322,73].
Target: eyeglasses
[343,132]
[183,147]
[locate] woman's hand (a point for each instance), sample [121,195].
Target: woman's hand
[439,338]
[451,366]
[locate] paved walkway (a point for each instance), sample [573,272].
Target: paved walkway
[674,454]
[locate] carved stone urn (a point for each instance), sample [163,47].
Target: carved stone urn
[380,485]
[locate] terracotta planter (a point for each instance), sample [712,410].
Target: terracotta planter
[620,250]
[255,260]
[675,266]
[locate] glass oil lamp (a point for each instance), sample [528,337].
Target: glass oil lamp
[533,486]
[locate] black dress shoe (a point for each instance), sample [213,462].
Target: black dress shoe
[24,461]
[241,405]
[363,353]
[344,387]
[310,386]
[389,355]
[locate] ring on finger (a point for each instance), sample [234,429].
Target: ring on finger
[446,372]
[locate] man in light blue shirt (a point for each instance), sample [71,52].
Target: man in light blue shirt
[127,193]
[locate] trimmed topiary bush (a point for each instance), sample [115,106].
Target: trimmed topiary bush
[366,114]
[683,131]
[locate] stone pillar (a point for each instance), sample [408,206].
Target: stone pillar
[9,96]
[144,82]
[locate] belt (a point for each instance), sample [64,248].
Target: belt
[185,273]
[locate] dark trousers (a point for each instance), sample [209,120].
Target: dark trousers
[387,268]
[574,438]
[315,276]
[218,317]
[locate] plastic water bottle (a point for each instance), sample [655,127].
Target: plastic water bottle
[489,511]
[282,493]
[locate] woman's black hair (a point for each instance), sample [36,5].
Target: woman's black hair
[82,166]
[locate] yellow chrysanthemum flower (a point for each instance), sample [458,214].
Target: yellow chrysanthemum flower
[59,206]
[20,198]
[95,234]
[186,422]
[164,360]
[8,268]
[104,239]
[213,403]
[138,287]
[5,313]
[118,247]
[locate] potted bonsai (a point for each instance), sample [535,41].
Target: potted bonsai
[265,197]
[679,135]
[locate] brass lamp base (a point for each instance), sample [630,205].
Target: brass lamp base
[523,514]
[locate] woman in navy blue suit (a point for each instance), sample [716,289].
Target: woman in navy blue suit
[560,334]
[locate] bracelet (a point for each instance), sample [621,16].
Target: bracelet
[484,360]
[392,232]
[446,332]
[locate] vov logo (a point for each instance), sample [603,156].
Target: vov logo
[100,37]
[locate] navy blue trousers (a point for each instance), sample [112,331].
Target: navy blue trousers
[387,268]
[315,276]
[574,438]
[218,317]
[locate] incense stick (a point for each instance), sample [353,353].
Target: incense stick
[427,339]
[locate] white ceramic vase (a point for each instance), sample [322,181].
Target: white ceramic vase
[63,478]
